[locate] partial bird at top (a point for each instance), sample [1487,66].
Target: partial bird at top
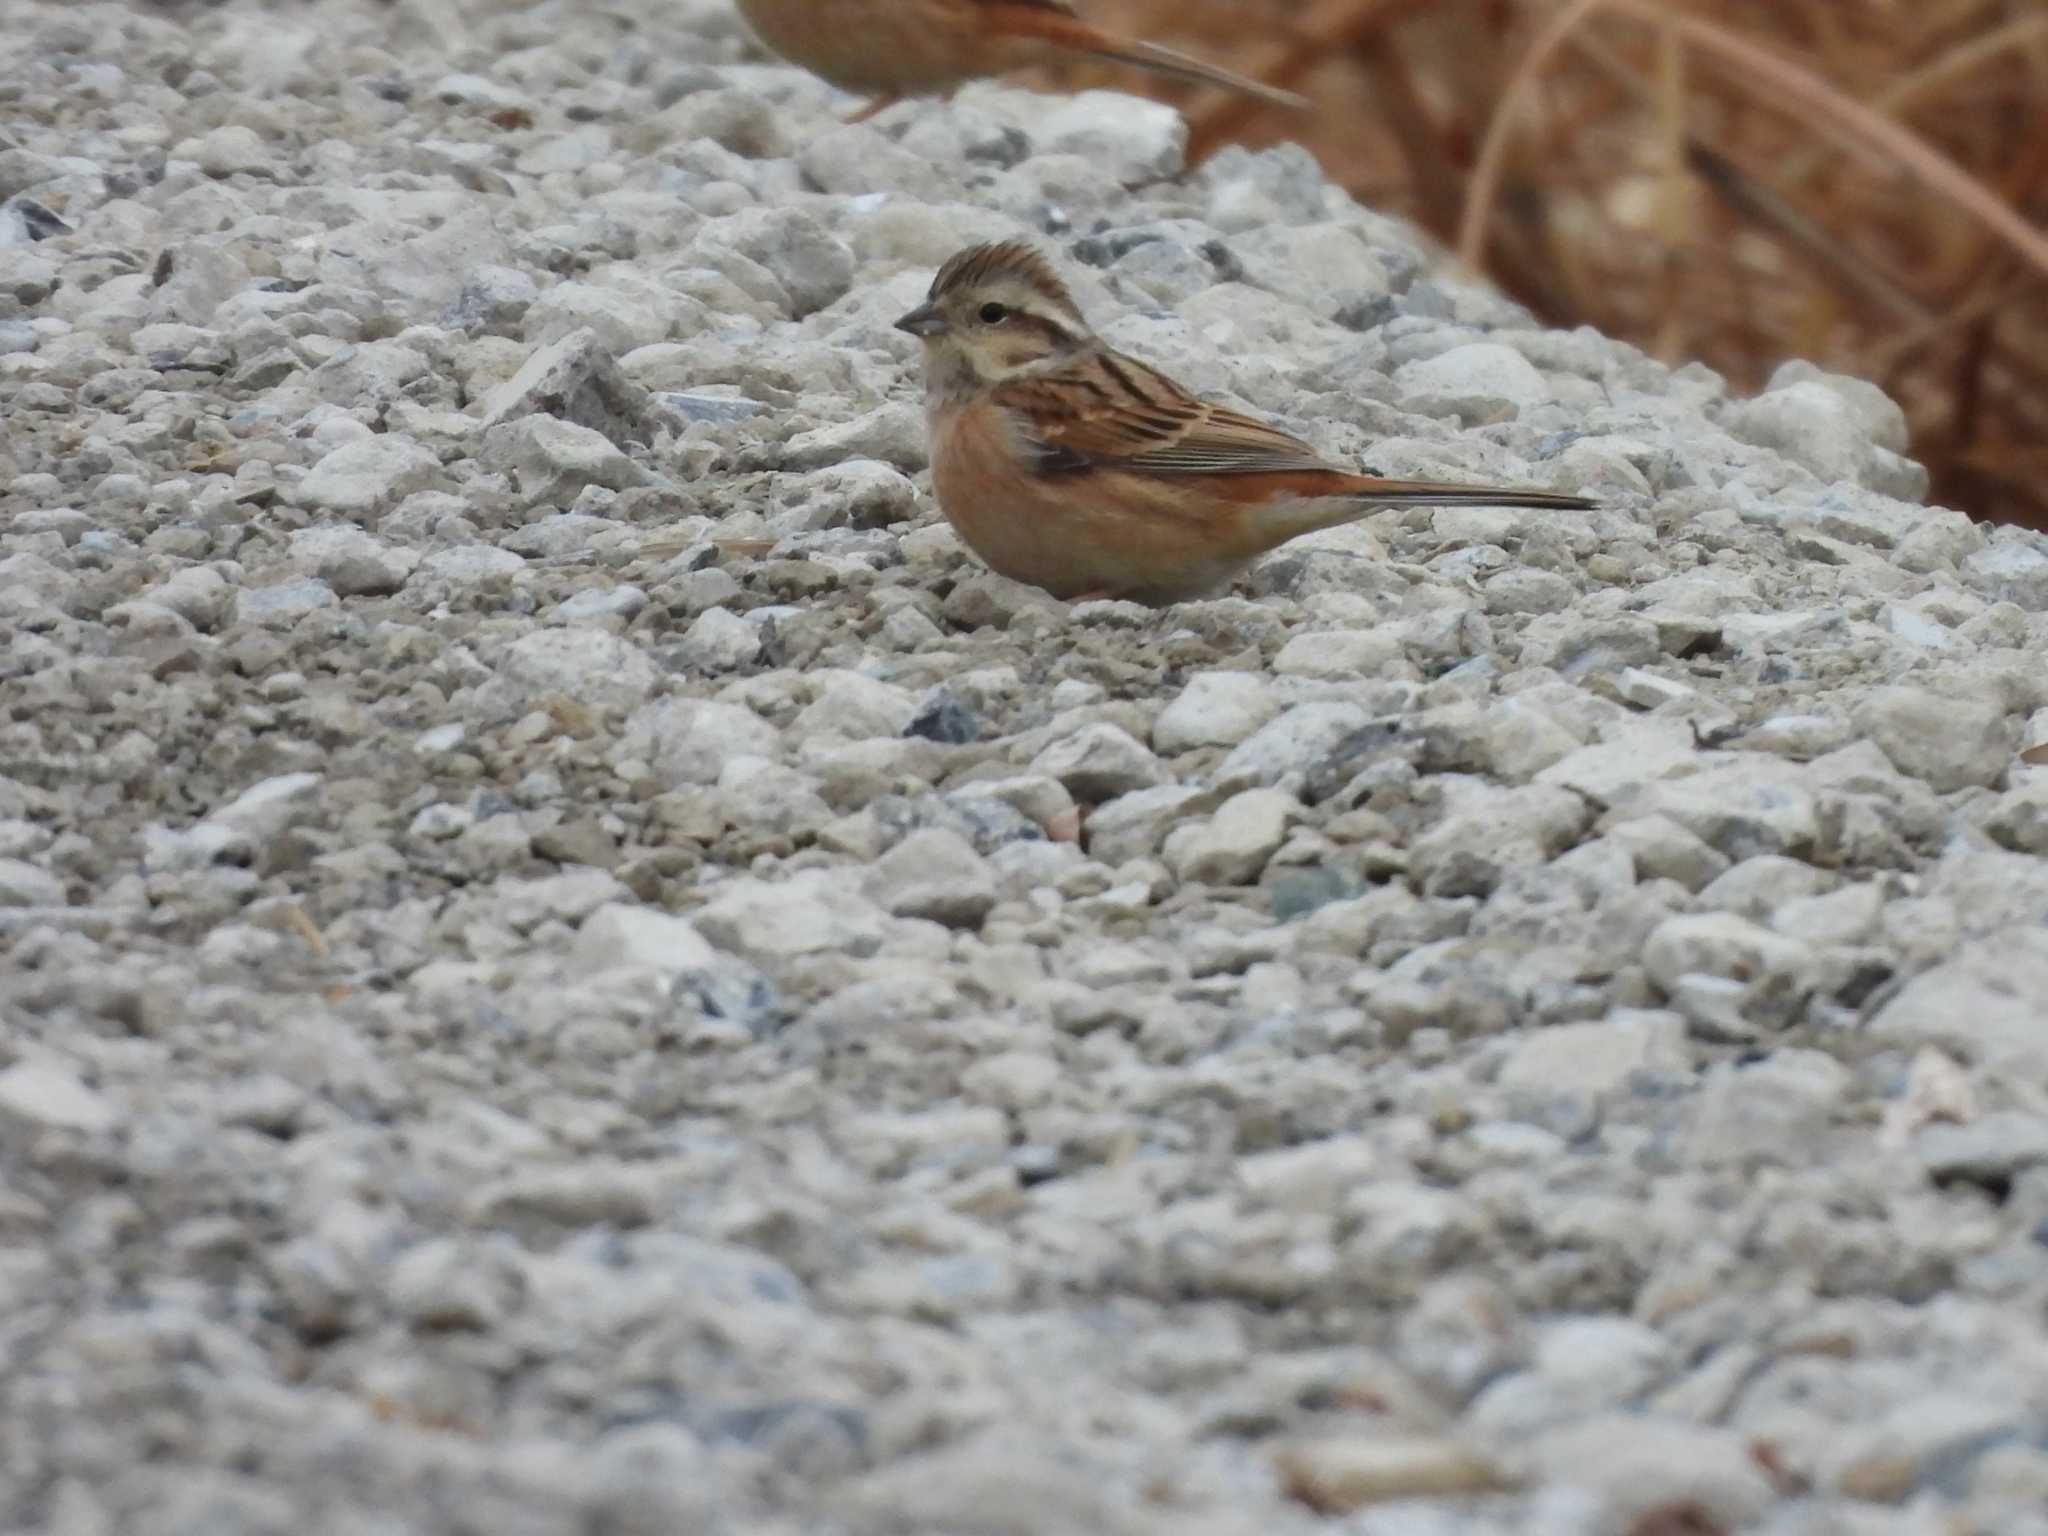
[889,49]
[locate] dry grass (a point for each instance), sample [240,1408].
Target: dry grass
[1860,182]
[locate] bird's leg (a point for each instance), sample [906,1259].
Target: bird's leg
[884,103]
[879,104]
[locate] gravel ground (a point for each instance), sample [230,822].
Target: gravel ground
[574,965]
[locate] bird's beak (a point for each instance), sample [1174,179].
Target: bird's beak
[923,322]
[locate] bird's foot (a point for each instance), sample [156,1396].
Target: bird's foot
[879,104]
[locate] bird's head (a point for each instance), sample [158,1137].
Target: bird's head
[995,311]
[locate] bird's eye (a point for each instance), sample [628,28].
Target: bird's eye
[994,314]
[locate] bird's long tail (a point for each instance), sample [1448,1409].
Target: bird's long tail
[1183,66]
[1056,25]
[1430,493]
[1286,518]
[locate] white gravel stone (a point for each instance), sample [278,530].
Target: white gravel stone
[1132,826]
[1597,1058]
[1951,741]
[1635,1464]
[1813,425]
[622,937]
[371,476]
[282,603]
[719,640]
[1719,944]
[853,706]
[1100,762]
[1482,380]
[1290,744]
[810,913]
[44,1096]
[586,665]
[549,460]
[689,741]
[24,885]
[226,150]
[781,256]
[1232,847]
[1214,709]
[935,874]
[1340,653]
[1980,1005]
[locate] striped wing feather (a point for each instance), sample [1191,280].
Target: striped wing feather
[1110,411]
[1107,411]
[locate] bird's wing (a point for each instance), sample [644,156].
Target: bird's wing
[1064,7]
[1105,410]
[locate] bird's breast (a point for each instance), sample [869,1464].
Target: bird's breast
[1075,532]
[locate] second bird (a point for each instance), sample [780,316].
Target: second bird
[888,49]
[1071,466]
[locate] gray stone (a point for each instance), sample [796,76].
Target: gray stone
[689,741]
[1774,1110]
[1339,654]
[574,379]
[1720,944]
[893,434]
[1288,745]
[719,640]
[1597,1057]
[1634,1465]
[228,150]
[352,562]
[41,1096]
[2019,819]
[1983,1005]
[2012,568]
[861,493]
[1099,762]
[283,603]
[772,922]
[1485,831]
[935,874]
[1134,140]
[1481,381]
[1214,709]
[550,460]
[1233,845]
[24,885]
[806,266]
[1876,414]
[493,301]
[369,477]
[1661,849]
[1741,808]
[1987,1151]
[622,937]
[586,665]
[854,706]
[1950,740]
[1813,425]
[1132,826]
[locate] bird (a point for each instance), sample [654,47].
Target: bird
[889,49]
[1076,468]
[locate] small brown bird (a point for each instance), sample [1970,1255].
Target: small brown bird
[1085,472]
[895,48]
